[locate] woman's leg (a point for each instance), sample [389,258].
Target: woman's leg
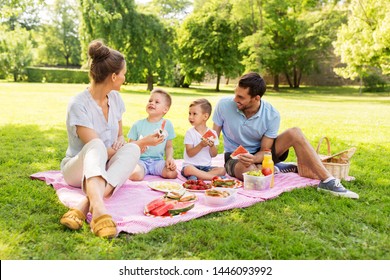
[87,170]
[121,166]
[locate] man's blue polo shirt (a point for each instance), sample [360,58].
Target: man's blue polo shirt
[238,130]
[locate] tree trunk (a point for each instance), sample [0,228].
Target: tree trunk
[288,79]
[276,82]
[227,81]
[299,78]
[218,80]
[260,3]
[149,80]
[295,73]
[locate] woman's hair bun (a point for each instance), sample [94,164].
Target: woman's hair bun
[98,51]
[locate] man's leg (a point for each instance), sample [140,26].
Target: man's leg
[294,137]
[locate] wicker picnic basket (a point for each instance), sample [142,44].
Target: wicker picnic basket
[337,164]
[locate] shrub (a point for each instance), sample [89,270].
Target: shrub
[56,75]
[374,83]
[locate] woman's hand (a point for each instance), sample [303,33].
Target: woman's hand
[120,141]
[149,140]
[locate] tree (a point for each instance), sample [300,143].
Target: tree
[289,37]
[153,54]
[142,38]
[15,52]
[20,13]
[208,42]
[60,37]
[364,42]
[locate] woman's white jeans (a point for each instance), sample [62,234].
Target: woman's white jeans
[92,162]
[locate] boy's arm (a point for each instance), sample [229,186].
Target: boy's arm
[169,161]
[169,150]
[194,150]
[213,150]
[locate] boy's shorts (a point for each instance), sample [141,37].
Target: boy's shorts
[231,163]
[152,166]
[200,167]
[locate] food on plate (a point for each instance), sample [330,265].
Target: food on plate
[225,183]
[164,206]
[255,173]
[154,204]
[180,196]
[161,210]
[196,185]
[266,171]
[165,186]
[240,150]
[217,193]
[209,135]
[181,207]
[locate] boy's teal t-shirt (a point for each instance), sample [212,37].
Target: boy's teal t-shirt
[143,128]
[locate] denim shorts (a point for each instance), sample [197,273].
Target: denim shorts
[152,166]
[200,167]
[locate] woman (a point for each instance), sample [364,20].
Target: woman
[97,159]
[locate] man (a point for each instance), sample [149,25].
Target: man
[247,120]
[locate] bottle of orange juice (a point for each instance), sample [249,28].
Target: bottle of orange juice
[268,163]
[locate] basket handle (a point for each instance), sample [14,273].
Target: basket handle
[320,142]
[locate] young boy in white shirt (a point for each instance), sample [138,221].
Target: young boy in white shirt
[199,150]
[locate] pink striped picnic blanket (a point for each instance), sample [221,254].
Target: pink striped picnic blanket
[127,204]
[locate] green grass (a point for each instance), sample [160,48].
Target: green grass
[302,224]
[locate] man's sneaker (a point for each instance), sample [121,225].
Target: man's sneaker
[335,187]
[286,167]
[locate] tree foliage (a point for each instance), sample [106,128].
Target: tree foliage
[364,42]
[142,38]
[15,52]
[208,42]
[288,37]
[61,36]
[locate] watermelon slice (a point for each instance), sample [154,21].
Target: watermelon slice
[240,150]
[161,210]
[154,204]
[181,207]
[209,135]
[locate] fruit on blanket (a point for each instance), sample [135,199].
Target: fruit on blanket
[240,150]
[266,171]
[181,207]
[154,204]
[161,210]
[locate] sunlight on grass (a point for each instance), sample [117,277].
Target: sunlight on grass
[301,224]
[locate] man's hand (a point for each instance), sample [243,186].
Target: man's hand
[246,159]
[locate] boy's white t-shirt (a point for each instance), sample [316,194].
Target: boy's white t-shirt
[203,158]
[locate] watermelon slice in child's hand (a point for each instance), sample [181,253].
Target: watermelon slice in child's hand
[240,150]
[209,135]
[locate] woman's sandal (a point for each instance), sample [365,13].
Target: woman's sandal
[73,219]
[104,226]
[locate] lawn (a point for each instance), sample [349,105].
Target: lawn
[302,224]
